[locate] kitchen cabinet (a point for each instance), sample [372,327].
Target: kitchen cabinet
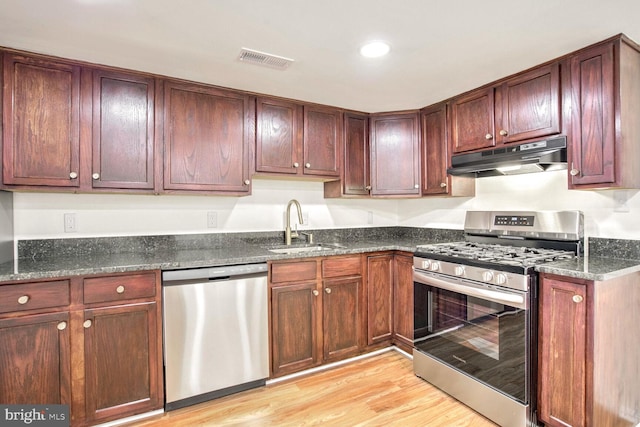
[588,372]
[316,312]
[90,342]
[403,301]
[395,154]
[298,139]
[355,171]
[380,278]
[279,136]
[523,107]
[435,156]
[41,122]
[123,136]
[604,94]
[208,134]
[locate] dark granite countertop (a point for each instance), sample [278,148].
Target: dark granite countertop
[69,257]
[50,258]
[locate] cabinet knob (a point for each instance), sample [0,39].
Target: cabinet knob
[62,326]
[296,164]
[368,188]
[504,132]
[73,175]
[488,136]
[307,165]
[87,324]
[95,176]
[327,290]
[416,186]
[23,299]
[443,184]
[120,289]
[577,298]
[247,182]
[574,172]
[315,292]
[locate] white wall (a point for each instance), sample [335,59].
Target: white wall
[40,215]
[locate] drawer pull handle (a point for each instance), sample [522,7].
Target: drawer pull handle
[327,290]
[62,326]
[577,298]
[87,324]
[23,299]
[120,289]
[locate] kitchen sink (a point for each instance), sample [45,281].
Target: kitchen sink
[304,249]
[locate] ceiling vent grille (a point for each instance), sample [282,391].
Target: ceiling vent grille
[264,59]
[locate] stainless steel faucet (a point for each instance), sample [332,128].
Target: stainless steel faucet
[288,234]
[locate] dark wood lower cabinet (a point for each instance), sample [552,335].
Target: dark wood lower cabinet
[34,360]
[121,361]
[342,310]
[379,298]
[403,301]
[588,353]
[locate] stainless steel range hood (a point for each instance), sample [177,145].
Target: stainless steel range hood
[539,156]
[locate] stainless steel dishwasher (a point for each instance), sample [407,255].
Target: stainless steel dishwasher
[215,332]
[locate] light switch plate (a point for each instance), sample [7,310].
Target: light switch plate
[70,223]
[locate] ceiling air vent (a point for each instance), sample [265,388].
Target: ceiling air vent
[264,59]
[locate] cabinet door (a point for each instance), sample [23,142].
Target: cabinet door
[356,154]
[472,121]
[322,141]
[379,298]
[34,360]
[528,106]
[279,136]
[403,300]
[123,131]
[395,154]
[593,117]
[341,317]
[295,323]
[122,361]
[207,135]
[434,150]
[41,119]
[562,353]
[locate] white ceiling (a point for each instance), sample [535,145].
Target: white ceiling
[440,48]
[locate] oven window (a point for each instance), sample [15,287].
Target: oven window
[482,338]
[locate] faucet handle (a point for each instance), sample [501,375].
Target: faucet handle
[308,235]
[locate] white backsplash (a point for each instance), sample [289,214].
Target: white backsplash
[40,215]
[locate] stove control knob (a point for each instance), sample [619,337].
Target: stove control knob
[426,264]
[459,270]
[487,276]
[435,266]
[501,278]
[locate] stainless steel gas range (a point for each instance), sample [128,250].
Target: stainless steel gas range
[475,308]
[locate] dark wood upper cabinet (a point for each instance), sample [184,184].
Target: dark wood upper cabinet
[322,141]
[523,107]
[279,136]
[528,105]
[434,150]
[41,119]
[356,178]
[208,134]
[472,121]
[123,131]
[395,154]
[604,93]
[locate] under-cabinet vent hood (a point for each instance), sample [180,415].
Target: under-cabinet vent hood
[539,156]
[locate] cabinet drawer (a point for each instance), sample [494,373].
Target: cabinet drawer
[293,271]
[31,296]
[338,267]
[117,288]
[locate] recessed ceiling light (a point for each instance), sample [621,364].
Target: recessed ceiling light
[375,49]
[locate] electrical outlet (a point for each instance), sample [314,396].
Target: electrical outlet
[69,223]
[369,217]
[212,219]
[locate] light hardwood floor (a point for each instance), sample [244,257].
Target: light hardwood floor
[376,391]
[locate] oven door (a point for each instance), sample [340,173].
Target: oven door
[475,328]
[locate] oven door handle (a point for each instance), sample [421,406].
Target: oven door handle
[507,298]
